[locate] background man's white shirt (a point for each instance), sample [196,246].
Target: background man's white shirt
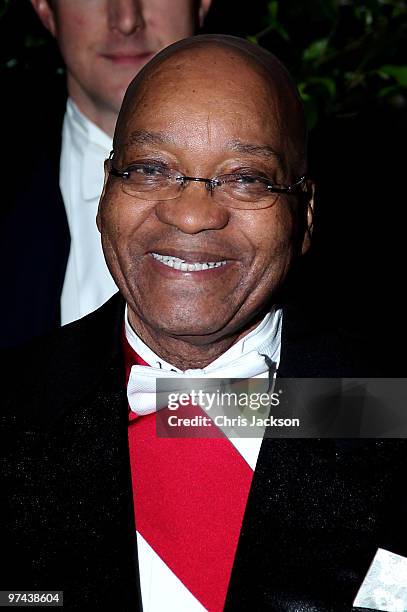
[87,283]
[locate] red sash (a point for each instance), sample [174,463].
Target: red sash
[189,498]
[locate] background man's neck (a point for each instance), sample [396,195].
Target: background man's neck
[103,117]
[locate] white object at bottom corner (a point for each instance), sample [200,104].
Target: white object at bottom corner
[385,585]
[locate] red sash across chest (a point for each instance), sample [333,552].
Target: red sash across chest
[189,499]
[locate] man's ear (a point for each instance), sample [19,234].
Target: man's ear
[45,13]
[204,6]
[98,216]
[309,194]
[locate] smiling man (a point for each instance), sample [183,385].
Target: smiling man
[56,273]
[206,206]
[199,259]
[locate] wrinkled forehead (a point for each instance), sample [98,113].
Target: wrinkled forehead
[222,81]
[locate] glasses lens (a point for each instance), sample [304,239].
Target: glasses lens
[149,182]
[244,191]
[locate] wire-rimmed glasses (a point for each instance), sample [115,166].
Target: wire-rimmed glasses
[154,181]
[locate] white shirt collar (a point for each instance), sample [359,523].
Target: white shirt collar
[265,338]
[92,144]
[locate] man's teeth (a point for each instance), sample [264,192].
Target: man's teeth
[184,266]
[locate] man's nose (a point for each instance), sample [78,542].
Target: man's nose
[194,211]
[125,16]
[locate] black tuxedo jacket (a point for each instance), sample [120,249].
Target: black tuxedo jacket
[317,511]
[34,245]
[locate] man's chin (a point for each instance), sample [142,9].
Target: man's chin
[197,333]
[192,321]
[196,330]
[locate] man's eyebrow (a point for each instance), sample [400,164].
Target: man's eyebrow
[146,137]
[254,149]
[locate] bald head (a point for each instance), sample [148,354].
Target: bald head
[223,66]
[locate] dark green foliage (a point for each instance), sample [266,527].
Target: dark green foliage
[345,55]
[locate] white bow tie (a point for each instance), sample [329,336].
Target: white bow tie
[141,388]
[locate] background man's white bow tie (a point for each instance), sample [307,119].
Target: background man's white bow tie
[141,388]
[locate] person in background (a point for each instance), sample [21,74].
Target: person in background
[53,265]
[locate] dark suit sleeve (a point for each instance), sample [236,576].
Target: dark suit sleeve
[34,245]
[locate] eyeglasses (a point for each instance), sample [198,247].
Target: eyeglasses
[153,181]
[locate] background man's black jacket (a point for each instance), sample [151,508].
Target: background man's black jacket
[34,232]
[317,510]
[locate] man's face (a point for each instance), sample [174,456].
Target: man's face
[104,43]
[187,121]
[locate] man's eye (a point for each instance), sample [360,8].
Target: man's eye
[145,170]
[247,179]
[251,181]
[247,187]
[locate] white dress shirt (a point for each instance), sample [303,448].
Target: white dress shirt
[87,283]
[161,589]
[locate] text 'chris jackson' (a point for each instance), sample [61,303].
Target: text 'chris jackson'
[224,421]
